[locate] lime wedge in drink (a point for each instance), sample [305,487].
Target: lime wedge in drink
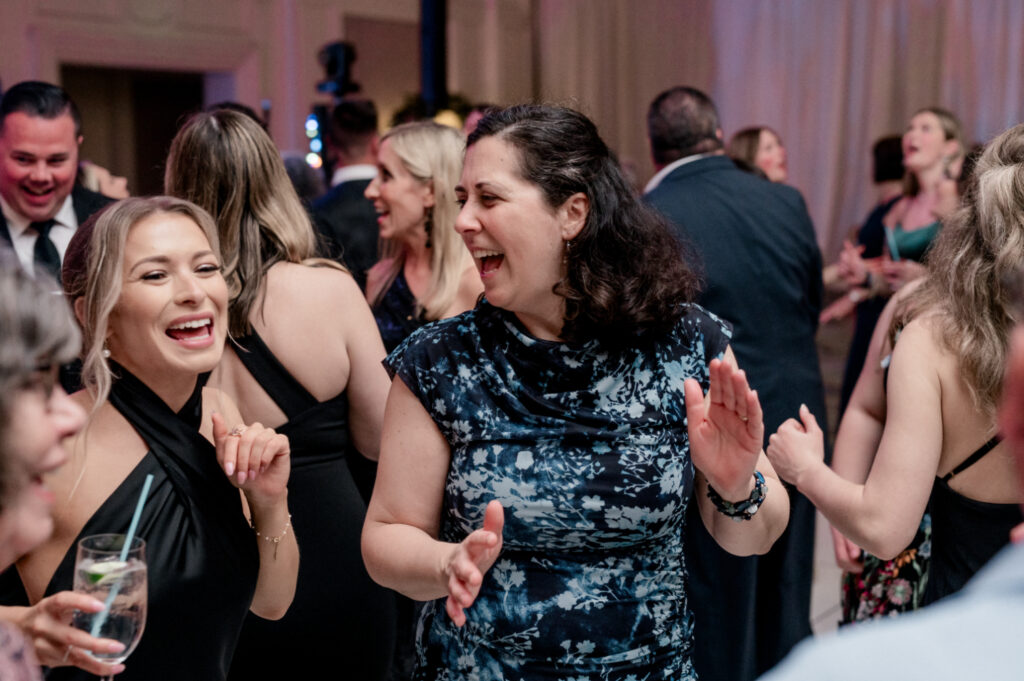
[102,573]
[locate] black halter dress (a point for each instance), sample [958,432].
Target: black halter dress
[200,552]
[341,624]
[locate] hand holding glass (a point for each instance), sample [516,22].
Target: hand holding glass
[105,571]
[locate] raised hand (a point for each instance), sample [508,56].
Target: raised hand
[797,446]
[726,431]
[470,560]
[255,458]
[47,624]
[851,265]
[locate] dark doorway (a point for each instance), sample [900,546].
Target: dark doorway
[130,116]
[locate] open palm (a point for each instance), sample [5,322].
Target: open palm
[726,429]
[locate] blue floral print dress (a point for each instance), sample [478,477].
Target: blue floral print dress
[586,448]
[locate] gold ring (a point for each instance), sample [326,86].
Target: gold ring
[237,431]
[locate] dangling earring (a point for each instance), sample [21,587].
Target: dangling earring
[428,224]
[105,352]
[565,253]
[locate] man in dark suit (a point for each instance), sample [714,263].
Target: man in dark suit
[345,219]
[762,269]
[42,206]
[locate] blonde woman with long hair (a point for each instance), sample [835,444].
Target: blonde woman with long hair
[940,447]
[425,272]
[144,279]
[305,358]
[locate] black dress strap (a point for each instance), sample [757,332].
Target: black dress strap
[283,388]
[974,458]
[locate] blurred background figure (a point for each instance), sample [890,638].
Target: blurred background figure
[244,109]
[99,179]
[893,243]
[307,181]
[761,148]
[474,115]
[344,217]
[37,335]
[887,178]
[425,272]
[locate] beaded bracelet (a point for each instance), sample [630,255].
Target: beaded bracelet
[741,510]
[276,540]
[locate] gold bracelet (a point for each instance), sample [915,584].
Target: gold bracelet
[276,540]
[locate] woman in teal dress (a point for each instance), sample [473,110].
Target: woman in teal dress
[540,451]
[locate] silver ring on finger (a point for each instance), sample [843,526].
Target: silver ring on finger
[67,653]
[237,431]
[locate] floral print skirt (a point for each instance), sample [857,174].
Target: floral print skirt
[889,587]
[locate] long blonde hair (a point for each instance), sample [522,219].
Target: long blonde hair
[431,153]
[979,250]
[93,266]
[227,164]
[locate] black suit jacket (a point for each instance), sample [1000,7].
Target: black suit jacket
[762,268]
[347,224]
[84,201]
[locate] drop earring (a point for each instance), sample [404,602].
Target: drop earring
[428,224]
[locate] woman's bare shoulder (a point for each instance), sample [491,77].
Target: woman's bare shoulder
[309,280]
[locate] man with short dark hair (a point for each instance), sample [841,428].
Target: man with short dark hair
[762,268]
[41,206]
[345,218]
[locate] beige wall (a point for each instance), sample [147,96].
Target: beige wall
[252,50]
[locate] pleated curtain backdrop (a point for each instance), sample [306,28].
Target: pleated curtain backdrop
[830,76]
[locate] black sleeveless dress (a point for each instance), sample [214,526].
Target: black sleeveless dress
[340,622]
[396,315]
[966,533]
[200,551]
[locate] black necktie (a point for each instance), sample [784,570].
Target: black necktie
[45,254]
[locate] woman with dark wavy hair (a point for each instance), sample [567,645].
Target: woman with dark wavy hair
[940,447]
[540,451]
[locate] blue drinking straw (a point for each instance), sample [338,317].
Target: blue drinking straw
[101,616]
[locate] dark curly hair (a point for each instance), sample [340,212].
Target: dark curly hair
[625,272]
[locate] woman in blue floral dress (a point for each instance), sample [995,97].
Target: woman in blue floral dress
[540,451]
